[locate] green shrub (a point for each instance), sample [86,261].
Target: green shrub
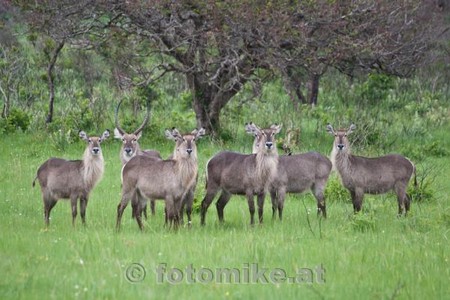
[375,89]
[66,124]
[428,111]
[424,191]
[420,151]
[17,119]
[61,139]
[336,192]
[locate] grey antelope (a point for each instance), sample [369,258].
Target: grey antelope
[130,148]
[172,179]
[376,175]
[72,179]
[297,173]
[242,174]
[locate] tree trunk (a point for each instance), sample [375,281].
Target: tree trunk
[206,116]
[50,80]
[293,86]
[298,92]
[6,104]
[313,89]
[208,101]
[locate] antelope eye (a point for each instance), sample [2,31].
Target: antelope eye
[134,141]
[90,141]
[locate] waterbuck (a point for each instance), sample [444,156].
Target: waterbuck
[72,179]
[378,175]
[242,174]
[296,174]
[130,148]
[171,179]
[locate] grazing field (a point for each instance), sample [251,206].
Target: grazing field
[149,66]
[373,255]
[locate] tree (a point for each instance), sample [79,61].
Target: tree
[219,45]
[206,43]
[11,67]
[61,22]
[12,63]
[390,37]
[51,78]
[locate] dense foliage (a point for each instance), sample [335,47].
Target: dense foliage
[214,49]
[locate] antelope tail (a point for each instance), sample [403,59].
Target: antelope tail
[415,178]
[34,181]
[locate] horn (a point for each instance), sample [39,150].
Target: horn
[116,118]
[147,117]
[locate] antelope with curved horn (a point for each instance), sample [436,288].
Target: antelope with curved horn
[130,148]
[171,179]
[363,175]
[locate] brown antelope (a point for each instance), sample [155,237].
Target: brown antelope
[378,175]
[242,174]
[130,148]
[171,179]
[296,174]
[72,179]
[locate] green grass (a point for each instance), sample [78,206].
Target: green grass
[374,255]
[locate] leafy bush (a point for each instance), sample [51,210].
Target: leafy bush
[430,110]
[63,131]
[370,132]
[425,191]
[61,139]
[336,192]
[375,89]
[420,151]
[66,125]
[17,119]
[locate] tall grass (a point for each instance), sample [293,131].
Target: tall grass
[370,255]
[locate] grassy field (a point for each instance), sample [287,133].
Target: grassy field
[374,255]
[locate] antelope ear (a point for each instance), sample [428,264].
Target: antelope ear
[83,135]
[330,129]
[198,133]
[105,135]
[138,135]
[118,134]
[351,128]
[276,127]
[168,134]
[172,134]
[251,128]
